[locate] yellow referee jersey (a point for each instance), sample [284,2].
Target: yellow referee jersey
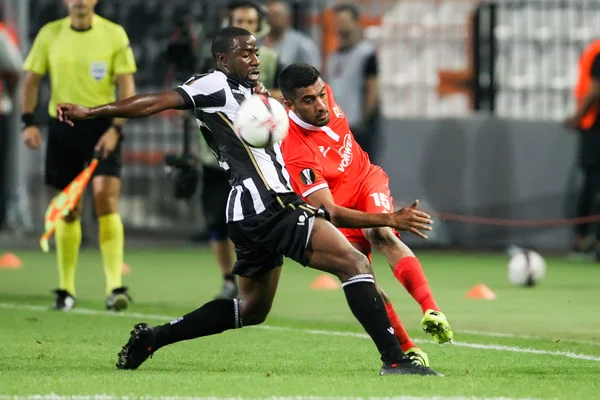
[82,65]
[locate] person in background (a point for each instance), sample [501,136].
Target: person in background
[586,123]
[351,71]
[10,68]
[291,45]
[86,57]
[249,15]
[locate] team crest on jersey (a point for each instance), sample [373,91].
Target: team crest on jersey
[307,176]
[338,113]
[99,69]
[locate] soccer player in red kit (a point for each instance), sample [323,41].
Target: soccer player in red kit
[328,168]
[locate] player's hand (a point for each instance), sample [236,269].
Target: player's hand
[261,89]
[32,137]
[413,220]
[108,142]
[66,112]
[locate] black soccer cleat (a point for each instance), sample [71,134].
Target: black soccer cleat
[407,367]
[118,300]
[139,347]
[64,300]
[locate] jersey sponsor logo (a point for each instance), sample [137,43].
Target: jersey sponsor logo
[338,113]
[99,69]
[307,176]
[324,151]
[346,153]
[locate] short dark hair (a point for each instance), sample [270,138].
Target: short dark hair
[296,76]
[223,42]
[259,7]
[349,8]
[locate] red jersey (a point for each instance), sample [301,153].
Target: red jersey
[327,156]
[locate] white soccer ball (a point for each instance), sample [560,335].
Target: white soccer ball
[526,268]
[261,121]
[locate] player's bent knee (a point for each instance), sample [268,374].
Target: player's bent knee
[382,238]
[355,263]
[252,313]
[253,316]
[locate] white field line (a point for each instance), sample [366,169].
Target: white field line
[497,347]
[147,397]
[512,335]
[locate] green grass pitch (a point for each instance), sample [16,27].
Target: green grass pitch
[542,342]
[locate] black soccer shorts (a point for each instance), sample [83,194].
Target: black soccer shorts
[71,148]
[262,241]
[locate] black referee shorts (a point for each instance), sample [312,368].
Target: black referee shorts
[70,149]
[262,241]
[215,192]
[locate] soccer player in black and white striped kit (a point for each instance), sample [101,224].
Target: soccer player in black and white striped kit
[266,220]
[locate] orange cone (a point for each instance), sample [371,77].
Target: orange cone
[10,261]
[325,282]
[481,292]
[125,269]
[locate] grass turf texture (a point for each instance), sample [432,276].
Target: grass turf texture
[299,353]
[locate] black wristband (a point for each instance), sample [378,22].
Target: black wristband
[27,120]
[119,129]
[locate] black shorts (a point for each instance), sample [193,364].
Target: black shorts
[215,192]
[262,241]
[70,149]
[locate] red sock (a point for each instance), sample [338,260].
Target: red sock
[399,330]
[410,274]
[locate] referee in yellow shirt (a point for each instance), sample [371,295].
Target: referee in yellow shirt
[86,57]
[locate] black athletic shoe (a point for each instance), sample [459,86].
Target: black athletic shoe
[64,301]
[118,300]
[138,348]
[407,367]
[229,290]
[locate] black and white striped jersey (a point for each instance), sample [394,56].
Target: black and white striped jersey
[256,175]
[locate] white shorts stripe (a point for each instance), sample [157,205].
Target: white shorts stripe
[238,212]
[259,206]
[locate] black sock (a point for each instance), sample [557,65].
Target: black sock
[214,317]
[368,308]
[229,278]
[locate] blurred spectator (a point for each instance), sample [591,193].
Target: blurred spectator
[586,122]
[291,45]
[351,71]
[10,66]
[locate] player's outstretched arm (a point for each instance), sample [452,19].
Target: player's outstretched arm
[406,219]
[132,107]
